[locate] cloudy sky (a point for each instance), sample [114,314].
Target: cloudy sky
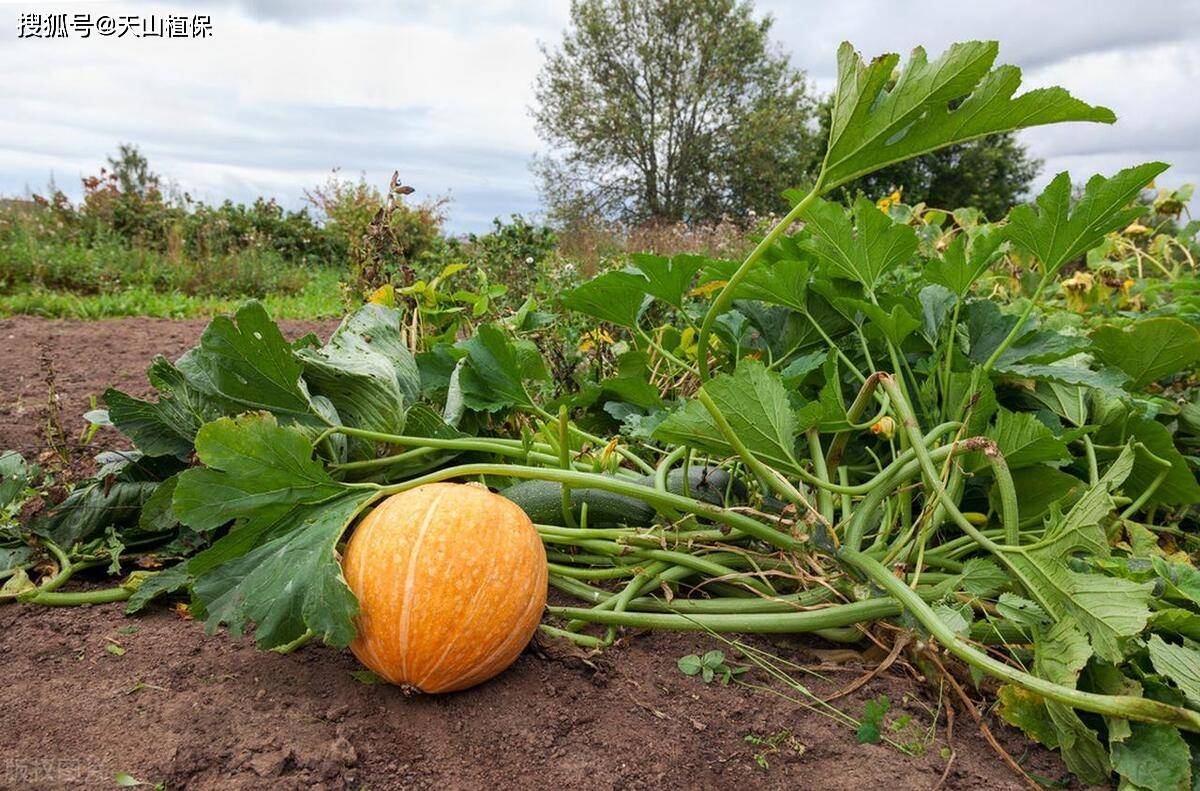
[285,91]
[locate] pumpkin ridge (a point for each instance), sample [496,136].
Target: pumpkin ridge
[410,581]
[470,606]
[370,646]
[501,649]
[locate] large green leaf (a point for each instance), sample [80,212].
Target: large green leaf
[965,259]
[756,405]
[1149,349]
[987,328]
[247,360]
[895,326]
[1178,663]
[1058,231]
[252,464]
[880,118]
[1108,609]
[497,369]
[365,370]
[667,278]
[291,582]
[113,498]
[16,475]
[167,426]
[1060,654]
[1153,757]
[1024,440]
[1109,380]
[862,251]
[1180,486]
[1038,488]
[616,297]
[779,282]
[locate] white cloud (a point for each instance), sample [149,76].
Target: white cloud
[285,91]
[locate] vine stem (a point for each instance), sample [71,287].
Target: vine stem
[1118,706]
[725,297]
[769,476]
[664,500]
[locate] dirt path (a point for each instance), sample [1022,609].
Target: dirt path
[88,693]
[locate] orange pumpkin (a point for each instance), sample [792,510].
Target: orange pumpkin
[451,582]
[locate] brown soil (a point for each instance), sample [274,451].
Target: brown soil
[88,693]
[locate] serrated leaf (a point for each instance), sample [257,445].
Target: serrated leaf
[953,619]
[1024,440]
[987,328]
[1180,486]
[755,403]
[1108,608]
[795,371]
[114,498]
[937,302]
[895,326]
[1176,620]
[168,426]
[247,360]
[1027,710]
[496,371]
[1149,349]
[253,464]
[779,282]
[862,251]
[1060,653]
[615,297]
[1020,610]
[667,278]
[1153,757]
[1069,402]
[1109,380]
[965,259]
[290,583]
[982,577]
[1057,231]
[956,98]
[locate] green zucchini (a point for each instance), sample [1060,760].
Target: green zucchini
[542,500]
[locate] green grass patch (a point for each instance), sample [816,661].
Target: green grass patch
[321,297]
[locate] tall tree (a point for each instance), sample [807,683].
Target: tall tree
[671,109]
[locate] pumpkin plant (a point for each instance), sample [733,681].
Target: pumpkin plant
[875,439]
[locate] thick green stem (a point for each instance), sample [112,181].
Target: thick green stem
[655,498]
[625,453]
[77,598]
[759,623]
[768,475]
[824,497]
[908,422]
[725,297]
[853,413]
[1117,706]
